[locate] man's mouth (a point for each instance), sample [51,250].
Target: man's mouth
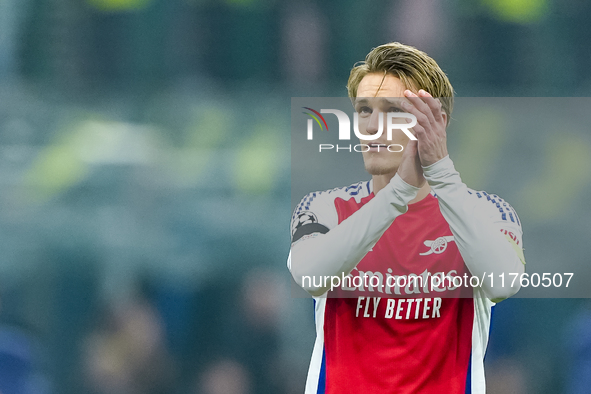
[377,147]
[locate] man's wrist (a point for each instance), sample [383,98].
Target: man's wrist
[439,170]
[402,190]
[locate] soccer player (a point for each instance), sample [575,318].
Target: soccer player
[410,230]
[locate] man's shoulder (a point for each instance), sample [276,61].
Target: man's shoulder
[323,200]
[497,207]
[318,208]
[357,190]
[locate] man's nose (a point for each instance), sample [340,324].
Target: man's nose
[373,126]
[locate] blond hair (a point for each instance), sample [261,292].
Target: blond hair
[413,67]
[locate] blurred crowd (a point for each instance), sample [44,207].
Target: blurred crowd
[222,339]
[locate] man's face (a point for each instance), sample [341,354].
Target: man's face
[370,106]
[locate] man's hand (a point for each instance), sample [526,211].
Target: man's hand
[430,128]
[410,167]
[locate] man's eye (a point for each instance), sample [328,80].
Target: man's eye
[364,110]
[395,109]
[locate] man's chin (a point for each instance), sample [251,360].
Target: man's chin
[380,170]
[377,165]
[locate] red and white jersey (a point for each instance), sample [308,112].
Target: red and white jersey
[410,338]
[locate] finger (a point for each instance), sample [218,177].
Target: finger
[422,136]
[411,152]
[413,156]
[422,119]
[425,140]
[411,148]
[417,157]
[420,105]
[433,103]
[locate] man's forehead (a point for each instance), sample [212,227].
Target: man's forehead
[384,101]
[391,86]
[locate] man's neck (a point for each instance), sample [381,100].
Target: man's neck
[380,182]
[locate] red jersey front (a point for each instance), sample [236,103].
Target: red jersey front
[396,333]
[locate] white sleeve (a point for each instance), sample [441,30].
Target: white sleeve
[338,251]
[488,244]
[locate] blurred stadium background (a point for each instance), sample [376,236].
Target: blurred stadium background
[145,172]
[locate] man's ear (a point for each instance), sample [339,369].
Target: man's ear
[444,115]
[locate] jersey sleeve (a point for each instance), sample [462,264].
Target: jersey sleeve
[476,222]
[321,246]
[504,218]
[316,213]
